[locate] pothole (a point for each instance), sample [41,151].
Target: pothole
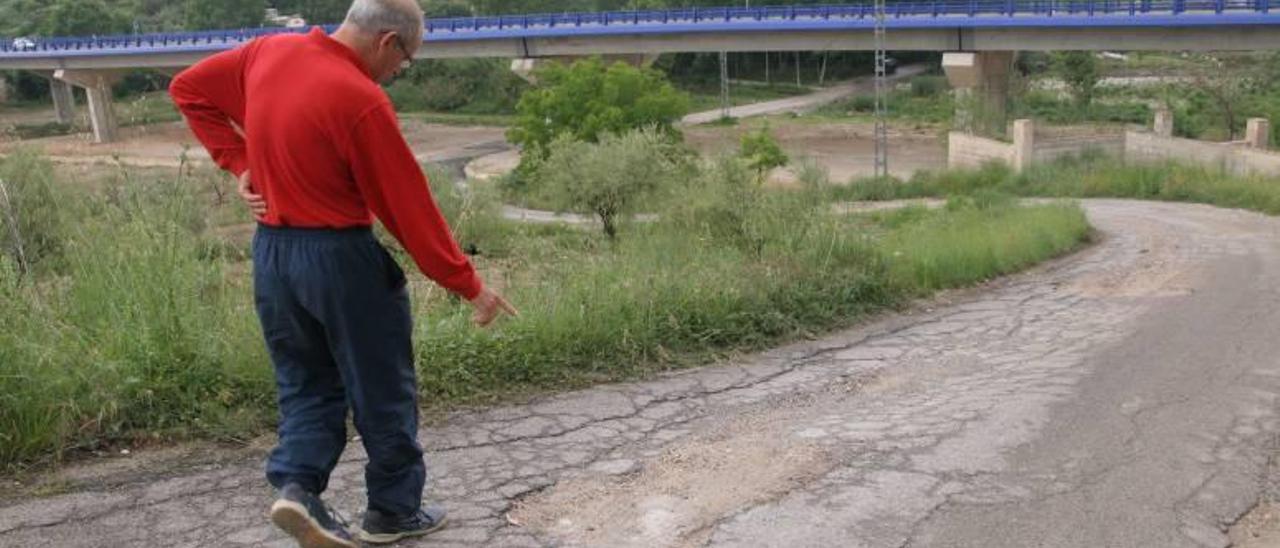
[676,498]
[1259,528]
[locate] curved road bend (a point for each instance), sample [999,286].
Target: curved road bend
[1124,396]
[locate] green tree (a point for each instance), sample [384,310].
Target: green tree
[1079,69]
[608,179]
[160,15]
[588,100]
[1228,88]
[480,86]
[83,18]
[316,12]
[226,14]
[21,17]
[446,8]
[761,152]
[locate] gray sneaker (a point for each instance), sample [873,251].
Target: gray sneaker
[380,528]
[308,520]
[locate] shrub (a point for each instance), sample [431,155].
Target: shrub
[762,152]
[928,86]
[608,179]
[587,100]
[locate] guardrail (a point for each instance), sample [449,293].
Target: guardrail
[746,17]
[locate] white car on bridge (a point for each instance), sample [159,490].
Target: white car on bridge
[24,44]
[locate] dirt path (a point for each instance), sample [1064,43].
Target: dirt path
[1126,396]
[845,149]
[804,103]
[164,144]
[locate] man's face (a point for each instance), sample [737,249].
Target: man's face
[394,55]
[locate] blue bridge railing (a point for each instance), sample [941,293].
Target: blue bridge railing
[914,8]
[745,18]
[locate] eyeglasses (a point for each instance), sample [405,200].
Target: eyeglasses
[408,59]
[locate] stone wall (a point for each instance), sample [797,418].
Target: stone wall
[1048,150]
[1141,146]
[1027,148]
[1246,157]
[967,151]
[1235,158]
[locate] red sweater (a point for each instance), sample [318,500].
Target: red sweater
[322,143]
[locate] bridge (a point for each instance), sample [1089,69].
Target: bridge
[981,34]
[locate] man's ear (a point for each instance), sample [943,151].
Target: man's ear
[388,40]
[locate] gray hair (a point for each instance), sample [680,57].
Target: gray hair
[402,16]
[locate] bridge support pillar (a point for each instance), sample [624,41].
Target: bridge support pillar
[981,81]
[526,66]
[97,86]
[64,101]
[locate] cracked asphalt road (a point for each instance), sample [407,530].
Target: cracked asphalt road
[1125,396]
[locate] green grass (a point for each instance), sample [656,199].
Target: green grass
[1111,107]
[22,106]
[1088,177]
[139,323]
[39,131]
[705,98]
[959,248]
[928,102]
[147,108]
[139,110]
[130,328]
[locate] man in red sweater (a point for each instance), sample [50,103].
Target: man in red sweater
[316,146]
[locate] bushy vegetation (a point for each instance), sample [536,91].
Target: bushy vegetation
[761,152]
[589,99]
[608,180]
[1080,71]
[125,322]
[1090,176]
[927,99]
[461,86]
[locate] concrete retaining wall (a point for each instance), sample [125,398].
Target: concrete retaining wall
[1248,161]
[965,150]
[1050,150]
[1149,147]
[1234,158]
[1027,148]
[1246,157]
